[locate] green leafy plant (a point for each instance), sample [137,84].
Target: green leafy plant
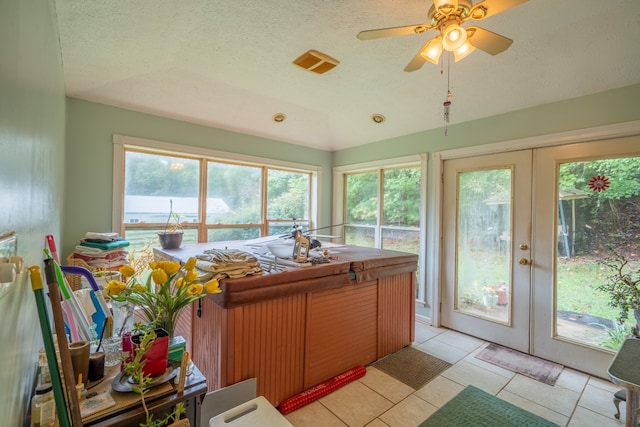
[140,381]
[622,286]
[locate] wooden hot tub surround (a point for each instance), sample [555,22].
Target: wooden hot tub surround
[295,329]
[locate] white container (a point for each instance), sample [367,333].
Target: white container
[256,412]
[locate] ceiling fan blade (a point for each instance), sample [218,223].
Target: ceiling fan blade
[393,31]
[488,8]
[488,41]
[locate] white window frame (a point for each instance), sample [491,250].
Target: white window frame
[339,173]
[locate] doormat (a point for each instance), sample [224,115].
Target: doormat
[474,407]
[413,367]
[533,367]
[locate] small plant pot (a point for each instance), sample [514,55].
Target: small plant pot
[157,357]
[170,240]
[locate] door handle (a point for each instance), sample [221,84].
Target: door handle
[523,261]
[524,246]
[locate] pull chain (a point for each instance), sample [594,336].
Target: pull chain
[447,102]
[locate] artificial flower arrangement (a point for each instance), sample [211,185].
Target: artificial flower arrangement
[161,291]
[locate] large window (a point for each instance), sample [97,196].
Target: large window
[380,207]
[213,198]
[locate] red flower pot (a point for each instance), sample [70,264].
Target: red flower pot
[157,356]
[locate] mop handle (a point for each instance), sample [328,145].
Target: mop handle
[49,346]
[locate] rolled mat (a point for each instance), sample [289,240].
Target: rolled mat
[321,390]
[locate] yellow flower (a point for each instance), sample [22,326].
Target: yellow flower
[180,282]
[159,276]
[191,276]
[190,264]
[171,267]
[154,264]
[212,287]
[127,271]
[114,287]
[195,289]
[138,287]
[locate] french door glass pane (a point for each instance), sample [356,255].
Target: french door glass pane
[597,213]
[234,194]
[483,244]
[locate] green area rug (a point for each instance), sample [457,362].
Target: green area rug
[474,407]
[413,367]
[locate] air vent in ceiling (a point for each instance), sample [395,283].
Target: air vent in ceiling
[316,62]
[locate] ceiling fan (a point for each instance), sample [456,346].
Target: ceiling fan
[447,16]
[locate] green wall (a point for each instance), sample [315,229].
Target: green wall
[89,176]
[32,120]
[605,108]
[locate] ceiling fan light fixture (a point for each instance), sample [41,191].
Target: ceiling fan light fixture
[432,50]
[463,51]
[446,6]
[453,36]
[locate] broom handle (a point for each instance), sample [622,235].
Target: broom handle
[63,344]
[49,346]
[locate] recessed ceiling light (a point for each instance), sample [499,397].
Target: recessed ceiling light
[279,117]
[378,118]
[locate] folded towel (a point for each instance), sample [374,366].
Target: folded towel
[105,246]
[101,236]
[223,263]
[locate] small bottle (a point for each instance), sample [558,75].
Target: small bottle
[43,407]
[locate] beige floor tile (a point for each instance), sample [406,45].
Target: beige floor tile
[583,417]
[534,408]
[598,400]
[573,380]
[313,415]
[471,358]
[356,404]
[442,350]
[389,387]
[466,373]
[424,332]
[604,384]
[439,391]
[461,341]
[377,423]
[558,399]
[410,412]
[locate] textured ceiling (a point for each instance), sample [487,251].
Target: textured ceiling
[228,64]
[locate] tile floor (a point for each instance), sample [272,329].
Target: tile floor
[378,400]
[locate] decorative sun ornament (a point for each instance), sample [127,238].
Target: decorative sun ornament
[599,183]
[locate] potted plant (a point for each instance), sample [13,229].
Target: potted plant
[146,341]
[623,287]
[171,237]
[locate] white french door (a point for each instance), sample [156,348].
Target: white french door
[487,227]
[522,237]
